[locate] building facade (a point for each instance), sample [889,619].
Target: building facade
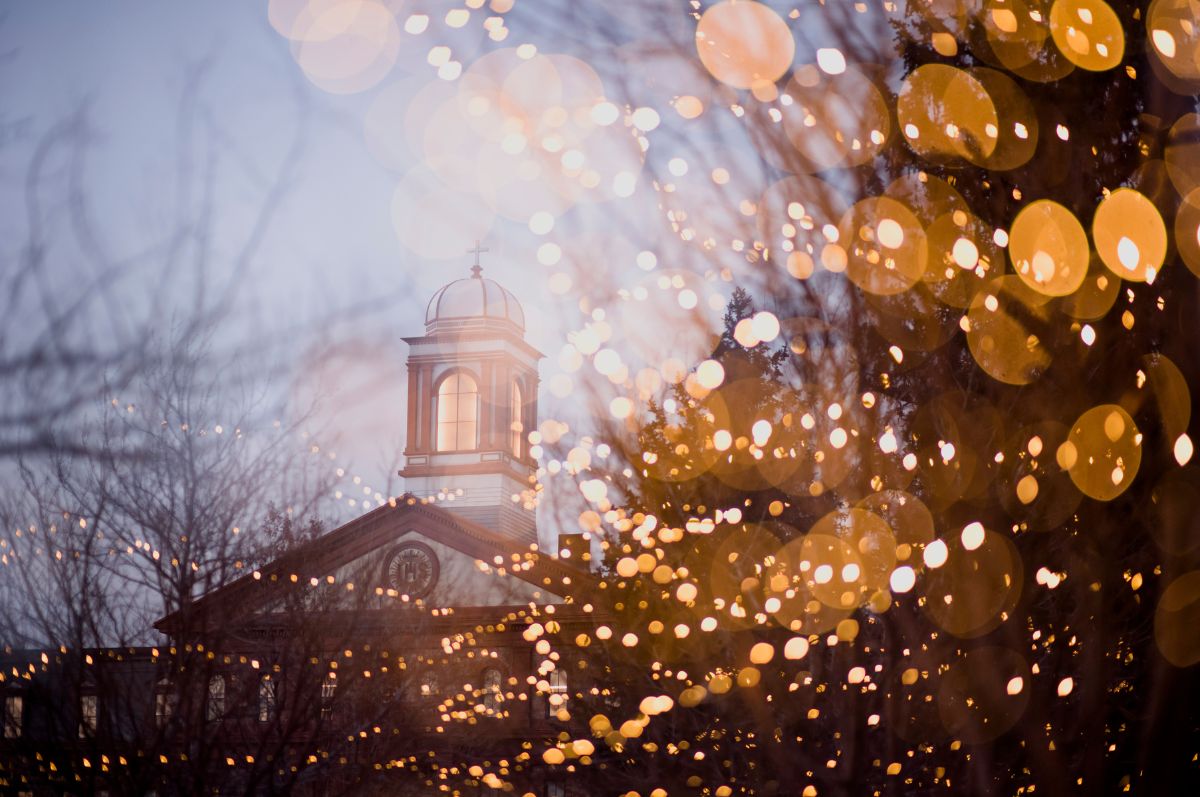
[392,655]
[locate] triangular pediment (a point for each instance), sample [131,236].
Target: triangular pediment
[416,566]
[399,555]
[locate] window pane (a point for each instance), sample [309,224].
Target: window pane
[14,709]
[446,432]
[447,408]
[466,407]
[558,692]
[88,711]
[266,699]
[216,698]
[515,422]
[328,691]
[466,436]
[491,691]
[164,707]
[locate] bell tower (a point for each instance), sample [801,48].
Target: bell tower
[472,401]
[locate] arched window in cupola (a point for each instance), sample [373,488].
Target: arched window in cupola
[457,413]
[516,425]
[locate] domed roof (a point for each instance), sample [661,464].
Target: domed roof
[473,301]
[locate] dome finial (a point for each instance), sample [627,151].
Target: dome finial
[477,270]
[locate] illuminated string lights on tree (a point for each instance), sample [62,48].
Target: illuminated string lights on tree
[864,450]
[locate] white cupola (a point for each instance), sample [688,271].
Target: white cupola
[472,400]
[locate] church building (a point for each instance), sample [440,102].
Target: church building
[386,656]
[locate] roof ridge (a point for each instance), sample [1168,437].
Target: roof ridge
[333,549]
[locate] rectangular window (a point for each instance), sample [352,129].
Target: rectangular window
[558,692]
[214,707]
[89,711]
[328,690]
[493,692]
[556,790]
[14,716]
[266,699]
[164,707]
[429,684]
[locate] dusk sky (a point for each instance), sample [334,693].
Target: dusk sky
[859,459]
[332,268]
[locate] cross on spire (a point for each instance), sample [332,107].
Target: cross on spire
[476,269]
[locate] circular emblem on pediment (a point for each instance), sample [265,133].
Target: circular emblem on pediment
[411,568]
